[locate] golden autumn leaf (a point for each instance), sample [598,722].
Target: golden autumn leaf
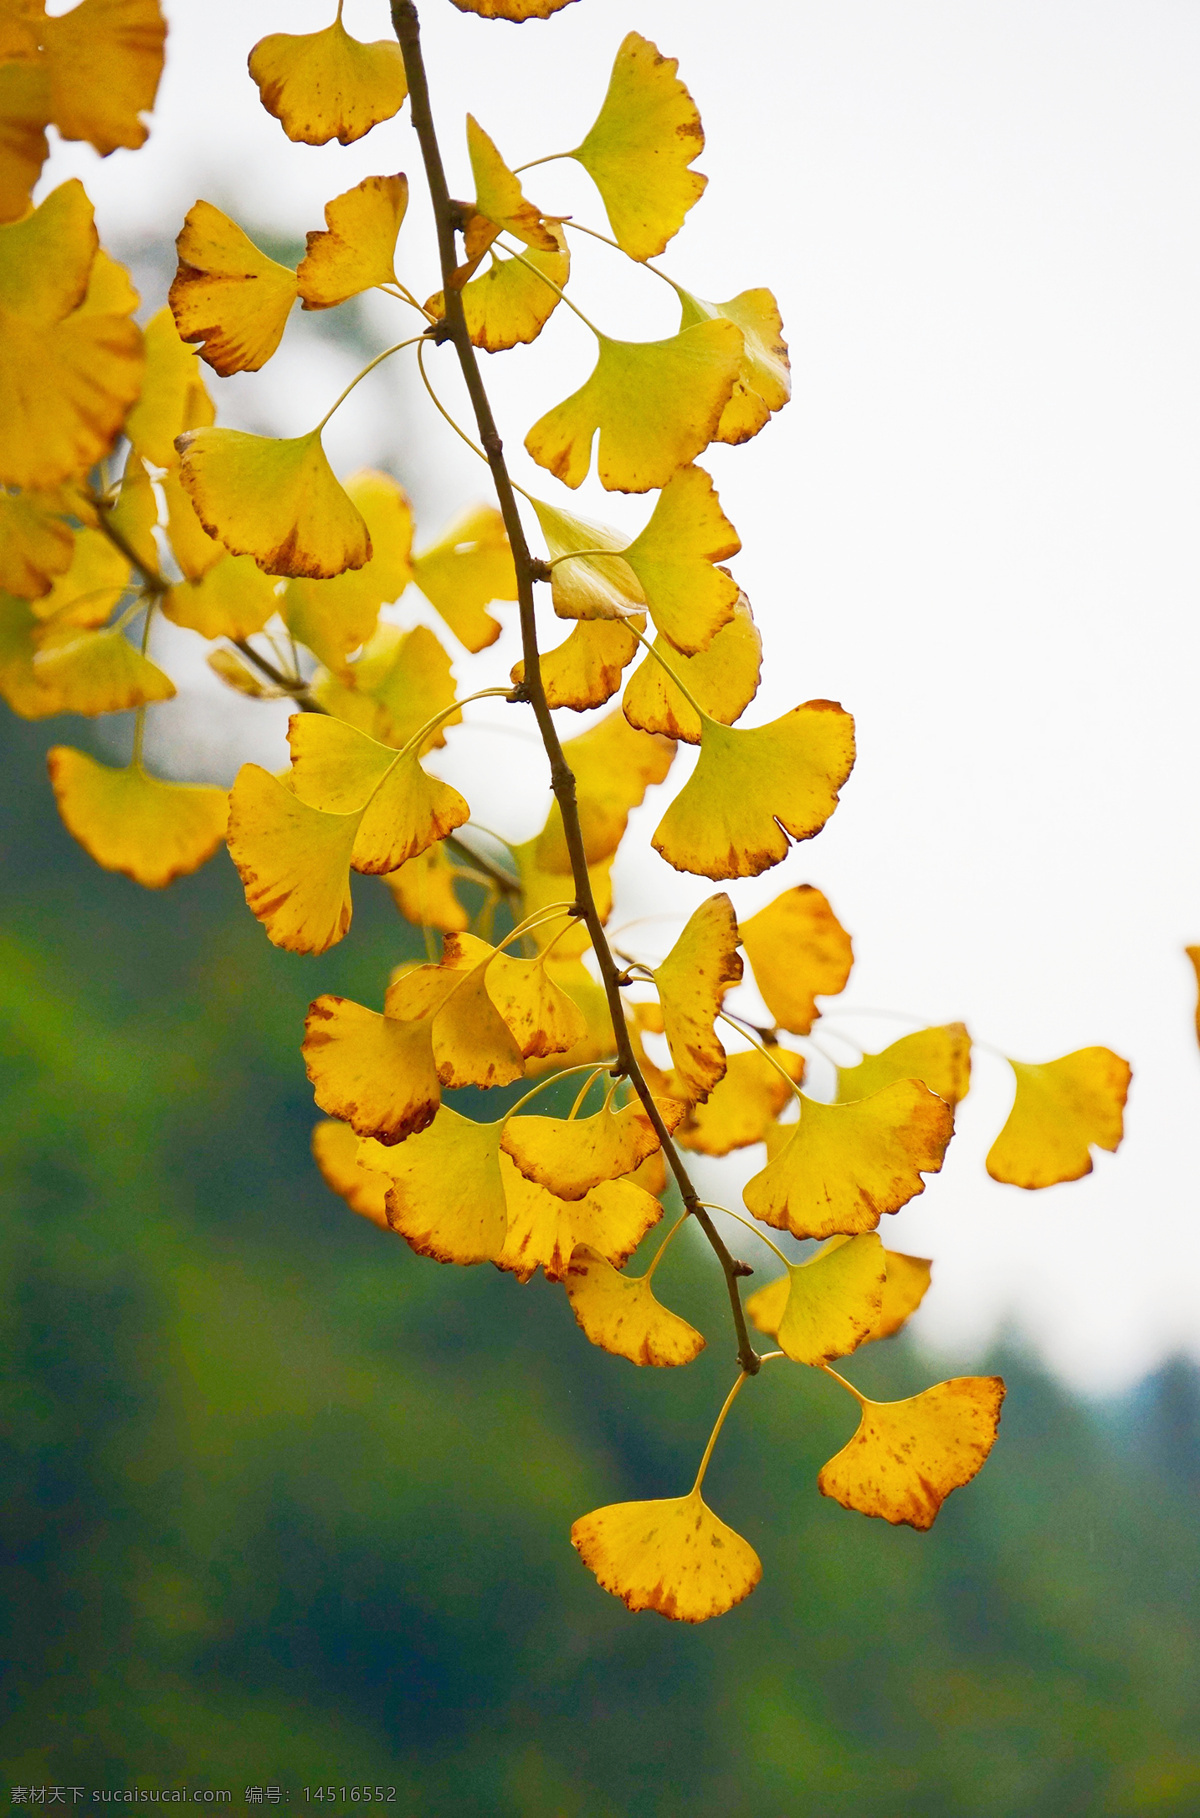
[194,550]
[472,1043]
[614,765]
[692,981]
[907,1456]
[94,582]
[620,1314]
[46,259]
[356,251]
[173,396]
[24,148]
[335,1150]
[742,1107]
[640,147]
[904,1288]
[398,683]
[764,381]
[424,891]
[105,59]
[675,556]
[656,405]
[131,822]
[468,567]
[232,599]
[500,200]
[544,1231]
[134,515]
[293,860]
[94,672]
[586,669]
[722,679]
[538,1014]
[336,616]
[447,1194]
[517,11]
[588,586]
[798,951]
[1193,953]
[940,1058]
[228,295]
[275,499]
[509,304]
[110,290]
[1061,1110]
[847,1165]
[756,788]
[400,808]
[377,1073]
[19,683]
[36,544]
[327,85]
[570,1156]
[573,978]
[674,1556]
[834,1301]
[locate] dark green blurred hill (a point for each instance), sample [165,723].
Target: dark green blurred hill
[283,1502]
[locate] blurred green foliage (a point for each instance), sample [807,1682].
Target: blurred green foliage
[284,1502]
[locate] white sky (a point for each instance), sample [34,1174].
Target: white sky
[975,525]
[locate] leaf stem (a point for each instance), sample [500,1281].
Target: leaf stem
[369,367]
[520,258]
[662,1248]
[761,1235]
[712,1438]
[849,1387]
[662,662]
[550,1080]
[304,699]
[764,1051]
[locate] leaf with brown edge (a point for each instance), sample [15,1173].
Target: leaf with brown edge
[173,398]
[570,1156]
[376,1073]
[131,822]
[588,585]
[640,148]
[24,148]
[194,550]
[105,58]
[692,981]
[741,1108]
[656,405]
[845,1166]
[509,304]
[447,1195]
[940,1058]
[516,11]
[401,809]
[723,679]
[543,1231]
[764,381]
[904,1288]
[335,1150]
[538,1014]
[327,85]
[468,567]
[94,672]
[228,295]
[36,543]
[1062,1108]
[423,890]
[673,1556]
[614,765]
[394,688]
[756,788]
[586,670]
[907,1456]
[275,499]
[834,1301]
[500,201]
[337,616]
[620,1314]
[798,951]
[675,556]
[576,982]
[232,599]
[293,860]
[356,250]
[472,1043]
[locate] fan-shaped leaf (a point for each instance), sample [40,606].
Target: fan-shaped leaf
[24,148]
[510,304]
[35,543]
[357,249]
[1061,1110]
[173,397]
[614,765]
[227,294]
[464,571]
[620,1314]
[93,672]
[375,1072]
[293,860]
[334,617]
[128,821]
[692,982]
[335,1150]
[586,669]
[940,1058]
[105,59]
[544,1230]
[327,85]
[447,1193]
[274,499]
[570,1156]
[424,891]
[515,10]
[674,558]
[907,1456]
[674,1556]
[834,1302]
[742,1107]
[723,679]
[764,381]
[798,951]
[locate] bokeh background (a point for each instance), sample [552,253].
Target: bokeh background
[285,1502]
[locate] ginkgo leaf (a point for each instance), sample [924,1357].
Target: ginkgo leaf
[327,85]
[509,304]
[544,1230]
[573,1155]
[110,290]
[468,567]
[573,978]
[589,586]
[376,1073]
[639,150]
[756,788]
[586,669]
[24,148]
[400,681]
[93,672]
[173,396]
[337,616]
[656,405]
[46,259]
[723,679]
[424,891]
[293,860]
[227,294]
[19,682]
[940,1058]
[357,249]
[230,669]
[675,557]
[500,199]
[1061,1110]
[275,499]
[907,1456]
[105,58]
[335,1150]
[128,821]
[472,1043]
[692,982]
[834,1301]
[194,550]
[847,1165]
[538,1014]
[742,1107]
[36,543]
[92,585]
[764,381]
[447,1194]
[232,599]
[541,888]
[515,10]
[674,1556]
[905,1284]
[401,809]
[798,951]
[614,765]
[620,1314]
[134,516]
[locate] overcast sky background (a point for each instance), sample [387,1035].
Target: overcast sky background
[975,525]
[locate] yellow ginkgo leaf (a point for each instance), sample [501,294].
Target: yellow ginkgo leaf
[46,259]
[614,765]
[675,559]
[328,85]
[656,405]
[573,978]
[541,888]
[424,891]
[401,809]
[275,499]
[335,1150]
[674,1556]
[228,295]
[545,1231]
[472,1043]
[447,1194]
[573,1155]
[764,381]
[357,249]
[847,1165]
[24,148]
[515,10]
[834,1300]
[239,676]
[134,516]
[500,199]
[92,585]
[94,672]
[293,860]
[233,599]
[756,788]
[334,617]
[798,951]
[723,679]
[940,1058]
[194,550]
[36,543]
[19,683]
[588,586]
[638,152]
[692,982]
[401,680]
[105,58]
[586,669]
[128,821]
[468,567]
[1061,1110]
[110,290]
[907,1456]
[742,1107]
[174,396]
[904,1288]
[620,1314]
[509,304]
[537,1012]
[376,1073]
